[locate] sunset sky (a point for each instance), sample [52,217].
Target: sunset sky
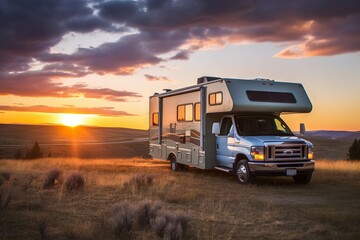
[103,59]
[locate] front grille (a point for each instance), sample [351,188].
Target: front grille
[285,152]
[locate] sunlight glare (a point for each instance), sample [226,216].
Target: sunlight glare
[72,120]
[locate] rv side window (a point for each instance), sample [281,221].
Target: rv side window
[197,111]
[215,98]
[185,112]
[155,119]
[279,97]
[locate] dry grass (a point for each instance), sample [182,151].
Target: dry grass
[218,207]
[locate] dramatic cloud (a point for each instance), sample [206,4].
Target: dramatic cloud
[151,28]
[29,28]
[101,111]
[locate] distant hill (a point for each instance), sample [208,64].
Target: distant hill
[340,135]
[104,142]
[331,144]
[81,141]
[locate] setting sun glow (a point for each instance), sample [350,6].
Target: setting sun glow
[71,120]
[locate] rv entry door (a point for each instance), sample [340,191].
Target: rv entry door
[224,143]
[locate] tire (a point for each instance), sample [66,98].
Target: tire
[243,173]
[174,166]
[302,179]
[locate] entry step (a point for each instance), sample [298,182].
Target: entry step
[225,169]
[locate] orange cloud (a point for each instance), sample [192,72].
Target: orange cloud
[101,111]
[156,78]
[40,84]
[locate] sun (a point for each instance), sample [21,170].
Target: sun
[72,120]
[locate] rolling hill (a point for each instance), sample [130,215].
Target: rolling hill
[104,142]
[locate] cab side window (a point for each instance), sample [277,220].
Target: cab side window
[226,125]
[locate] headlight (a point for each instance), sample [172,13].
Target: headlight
[258,153]
[310,152]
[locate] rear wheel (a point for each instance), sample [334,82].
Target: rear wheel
[243,173]
[173,164]
[302,179]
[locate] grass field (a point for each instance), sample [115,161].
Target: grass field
[215,204]
[80,142]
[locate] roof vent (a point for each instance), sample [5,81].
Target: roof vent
[167,90]
[206,79]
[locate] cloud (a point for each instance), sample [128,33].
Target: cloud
[101,111]
[44,84]
[250,21]
[164,26]
[156,78]
[30,28]
[152,28]
[181,55]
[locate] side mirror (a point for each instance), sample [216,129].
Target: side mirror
[216,128]
[302,128]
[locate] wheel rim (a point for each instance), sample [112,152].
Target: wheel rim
[173,165]
[242,173]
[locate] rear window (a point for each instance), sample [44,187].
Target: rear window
[279,97]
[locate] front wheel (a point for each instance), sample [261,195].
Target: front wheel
[243,173]
[173,164]
[302,179]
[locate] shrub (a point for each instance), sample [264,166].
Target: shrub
[127,216]
[140,180]
[74,182]
[168,225]
[146,211]
[123,217]
[53,177]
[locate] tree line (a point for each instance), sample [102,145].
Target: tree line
[354,150]
[34,153]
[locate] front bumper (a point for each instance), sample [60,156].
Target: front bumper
[279,168]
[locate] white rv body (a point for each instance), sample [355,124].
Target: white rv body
[183,122]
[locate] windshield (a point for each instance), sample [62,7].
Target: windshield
[261,126]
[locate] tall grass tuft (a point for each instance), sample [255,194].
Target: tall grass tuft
[140,180]
[42,227]
[26,185]
[53,178]
[4,200]
[75,182]
[6,175]
[2,180]
[123,218]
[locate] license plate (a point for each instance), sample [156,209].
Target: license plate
[291,172]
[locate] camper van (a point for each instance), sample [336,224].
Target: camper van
[232,125]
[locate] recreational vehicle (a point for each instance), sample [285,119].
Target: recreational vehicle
[232,125]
